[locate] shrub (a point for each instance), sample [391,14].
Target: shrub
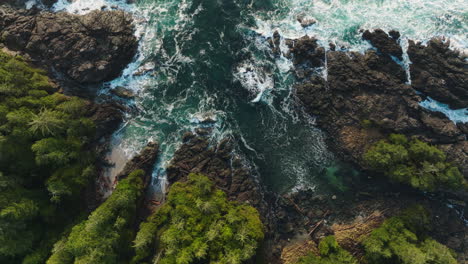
[403,240]
[414,163]
[198,225]
[330,253]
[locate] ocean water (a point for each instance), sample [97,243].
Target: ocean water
[209,59]
[457,116]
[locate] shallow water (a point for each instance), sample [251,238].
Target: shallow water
[200,58]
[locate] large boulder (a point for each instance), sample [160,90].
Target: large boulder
[86,49]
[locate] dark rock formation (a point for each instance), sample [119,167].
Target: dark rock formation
[439,72]
[307,53]
[219,163]
[91,48]
[365,98]
[145,161]
[107,118]
[275,43]
[385,43]
[123,92]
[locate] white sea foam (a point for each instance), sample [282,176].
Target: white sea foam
[339,21]
[255,79]
[457,116]
[86,6]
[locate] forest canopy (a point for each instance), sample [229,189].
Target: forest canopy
[197,224]
[414,163]
[45,161]
[105,237]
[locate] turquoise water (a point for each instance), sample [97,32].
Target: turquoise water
[203,59]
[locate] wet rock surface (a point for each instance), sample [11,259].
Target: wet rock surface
[107,118]
[218,161]
[365,98]
[145,161]
[439,72]
[385,43]
[86,49]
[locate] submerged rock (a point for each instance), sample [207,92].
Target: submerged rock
[87,49]
[439,72]
[123,92]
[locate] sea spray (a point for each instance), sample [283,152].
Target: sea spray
[212,58]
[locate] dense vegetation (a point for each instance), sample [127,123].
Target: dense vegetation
[414,163]
[403,240]
[44,161]
[106,236]
[197,224]
[330,253]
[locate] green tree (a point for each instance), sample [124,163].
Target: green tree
[47,122]
[197,224]
[46,160]
[105,237]
[414,163]
[403,240]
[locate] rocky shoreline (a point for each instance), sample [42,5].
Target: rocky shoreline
[77,52]
[364,98]
[84,49]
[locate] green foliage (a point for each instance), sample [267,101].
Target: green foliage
[197,224]
[105,237]
[44,137]
[402,240]
[414,163]
[330,253]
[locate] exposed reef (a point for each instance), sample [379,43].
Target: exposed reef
[86,49]
[361,99]
[217,161]
[439,72]
[365,97]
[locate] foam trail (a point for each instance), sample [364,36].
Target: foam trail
[457,116]
[86,6]
[339,21]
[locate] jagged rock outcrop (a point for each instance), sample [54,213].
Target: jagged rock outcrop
[107,117]
[145,161]
[218,162]
[365,97]
[385,43]
[86,49]
[439,72]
